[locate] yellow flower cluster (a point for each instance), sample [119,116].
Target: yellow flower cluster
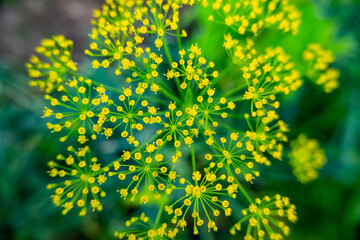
[266,136]
[49,73]
[145,174]
[306,157]
[319,71]
[233,156]
[81,177]
[170,116]
[130,114]
[202,196]
[177,127]
[143,228]
[77,108]
[254,16]
[265,74]
[193,70]
[121,26]
[265,218]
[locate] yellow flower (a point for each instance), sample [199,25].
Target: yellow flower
[49,75]
[203,197]
[193,68]
[148,172]
[306,157]
[266,216]
[79,109]
[78,172]
[143,228]
[318,70]
[250,16]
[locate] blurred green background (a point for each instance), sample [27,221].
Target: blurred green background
[328,208]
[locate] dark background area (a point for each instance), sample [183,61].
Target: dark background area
[328,208]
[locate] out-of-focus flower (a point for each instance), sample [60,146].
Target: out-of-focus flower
[54,65]
[265,217]
[319,70]
[306,158]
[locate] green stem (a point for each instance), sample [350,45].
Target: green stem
[173,97]
[158,217]
[229,93]
[193,158]
[178,37]
[168,55]
[242,190]
[161,207]
[207,34]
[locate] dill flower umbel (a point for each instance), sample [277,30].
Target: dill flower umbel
[143,228]
[129,114]
[266,136]
[203,199]
[306,157]
[266,74]
[319,70]
[192,69]
[77,108]
[191,137]
[145,174]
[49,73]
[81,177]
[265,218]
[254,16]
[232,155]
[120,27]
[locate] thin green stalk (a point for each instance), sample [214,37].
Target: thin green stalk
[178,38]
[193,158]
[158,217]
[161,207]
[229,93]
[168,55]
[173,97]
[242,190]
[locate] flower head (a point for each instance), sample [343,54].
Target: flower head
[120,27]
[49,73]
[201,198]
[143,228]
[267,75]
[319,71]
[192,69]
[145,174]
[254,16]
[266,136]
[210,111]
[265,218]
[306,157]
[233,156]
[130,113]
[81,177]
[77,108]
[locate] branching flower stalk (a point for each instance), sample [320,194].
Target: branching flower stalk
[206,143]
